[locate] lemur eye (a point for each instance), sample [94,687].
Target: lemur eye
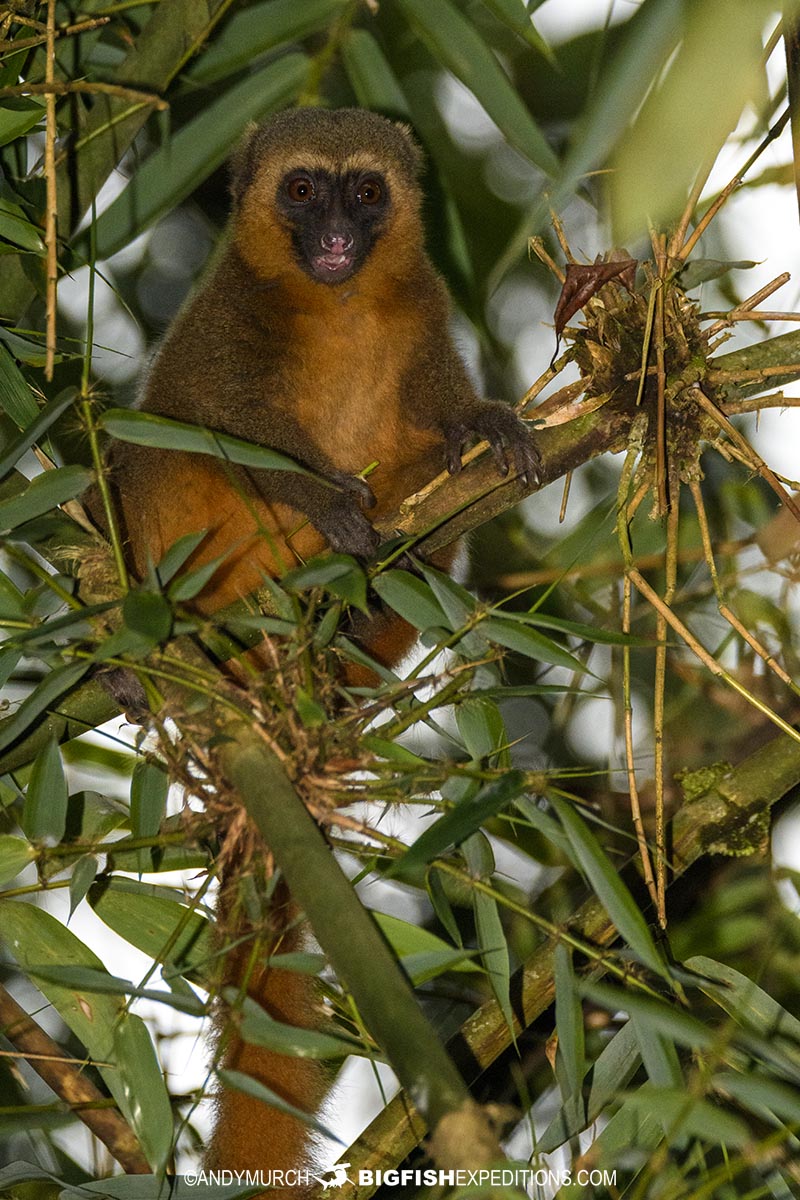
[369,192]
[301,189]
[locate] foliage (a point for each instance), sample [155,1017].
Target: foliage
[544,865]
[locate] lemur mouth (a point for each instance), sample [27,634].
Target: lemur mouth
[329,265]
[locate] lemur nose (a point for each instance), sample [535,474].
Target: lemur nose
[336,243]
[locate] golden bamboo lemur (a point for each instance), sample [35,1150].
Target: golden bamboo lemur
[322,332]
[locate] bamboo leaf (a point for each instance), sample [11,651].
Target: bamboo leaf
[149,787]
[33,432]
[370,74]
[512,14]
[44,813]
[259,28]
[52,688]
[456,44]
[647,41]
[15,227]
[482,728]
[144,1090]
[17,116]
[167,931]
[16,397]
[744,1000]
[681,1113]
[608,886]
[759,1092]
[344,929]
[412,598]
[494,952]
[86,979]
[15,854]
[46,491]
[260,1029]
[37,939]
[611,1072]
[413,941]
[569,1023]
[83,876]
[147,429]
[455,826]
[523,640]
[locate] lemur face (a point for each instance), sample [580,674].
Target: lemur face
[334,216]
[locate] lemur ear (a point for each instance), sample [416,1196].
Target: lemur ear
[242,163]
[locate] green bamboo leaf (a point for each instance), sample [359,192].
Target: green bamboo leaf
[251,1087]
[161,928]
[701,270]
[610,890]
[659,1056]
[571,1056]
[44,813]
[177,555]
[338,573]
[182,162]
[543,823]
[587,633]
[52,688]
[458,824]
[15,227]
[147,429]
[83,876]
[681,1113]
[191,583]
[149,787]
[427,965]
[46,491]
[411,597]
[9,658]
[260,1029]
[371,77]
[456,44]
[46,416]
[493,948]
[15,854]
[86,979]
[17,116]
[414,942]
[611,1073]
[16,397]
[512,14]
[37,939]
[759,1092]
[481,726]
[257,29]
[442,906]
[12,601]
[654,1016]
[523,640]
[142,1084]
[392,751]
[148,614]
[744,1000]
